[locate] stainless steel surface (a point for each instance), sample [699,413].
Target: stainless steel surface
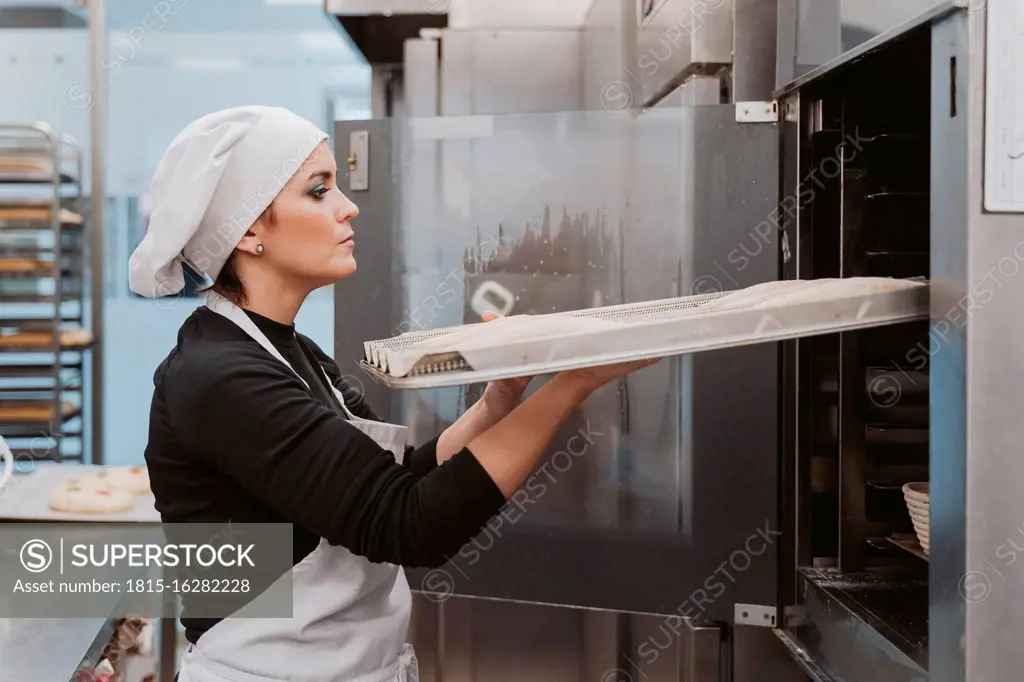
[814,32]
[976,595]
[756,656]
[647,329]
[679,39]
[700,91]
[532,202]
[755,27]
[480,639]
[864,626]
[802,658]
[606,54]
[421,77]
[50,648]
[808,35]
[456,69]
[97,198]
[380,91]
[521,14]
[367,302]
[850,56]
[795,468]
[394,78]
[511,71]
[496,57]
[702,657]
[956,160]
[864,19]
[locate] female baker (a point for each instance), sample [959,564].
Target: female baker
[251,422]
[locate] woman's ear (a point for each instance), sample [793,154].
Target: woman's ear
[250,243]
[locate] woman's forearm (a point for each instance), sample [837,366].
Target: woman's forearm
[510,449]
[471,424]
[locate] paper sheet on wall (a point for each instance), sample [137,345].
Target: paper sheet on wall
[1004,107]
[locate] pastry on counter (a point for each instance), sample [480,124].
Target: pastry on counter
[89,496]
[134,480]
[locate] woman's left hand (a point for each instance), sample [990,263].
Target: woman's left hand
[501,396]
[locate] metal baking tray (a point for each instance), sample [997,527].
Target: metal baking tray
[27,165]
[773,311]
[25,214]
[41,341]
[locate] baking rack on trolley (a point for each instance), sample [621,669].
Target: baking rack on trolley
[44,341]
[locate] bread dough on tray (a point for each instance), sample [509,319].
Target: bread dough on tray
[792,292]
[514,328]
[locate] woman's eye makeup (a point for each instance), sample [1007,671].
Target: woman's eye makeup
[318,192]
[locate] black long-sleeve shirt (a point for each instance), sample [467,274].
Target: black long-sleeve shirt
[235,434]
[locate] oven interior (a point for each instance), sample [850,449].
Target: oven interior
[856,407]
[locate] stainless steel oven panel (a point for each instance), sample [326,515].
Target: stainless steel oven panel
[678,39]
[977,586]
[577,209]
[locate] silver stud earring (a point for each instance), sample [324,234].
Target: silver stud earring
[259,248]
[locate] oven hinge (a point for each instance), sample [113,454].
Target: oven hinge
[757,112]
[766,616]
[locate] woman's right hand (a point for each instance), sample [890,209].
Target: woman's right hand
[593,378]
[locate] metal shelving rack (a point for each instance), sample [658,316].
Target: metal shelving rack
[43,339]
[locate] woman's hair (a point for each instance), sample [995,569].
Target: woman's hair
[228,284]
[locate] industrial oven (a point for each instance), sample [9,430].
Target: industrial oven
[737,514]
[898,160]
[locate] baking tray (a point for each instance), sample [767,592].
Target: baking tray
[28,215]
[764,313]
[26,497]
[908,542]
[42,341]
[32,168]
[35,411]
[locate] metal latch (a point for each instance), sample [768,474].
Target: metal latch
[358,161]
[757,112]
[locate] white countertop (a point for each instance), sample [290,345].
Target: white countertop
[26,496]
[53,648]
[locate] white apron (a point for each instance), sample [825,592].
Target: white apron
[350,615]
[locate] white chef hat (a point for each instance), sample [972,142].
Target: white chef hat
[216,178]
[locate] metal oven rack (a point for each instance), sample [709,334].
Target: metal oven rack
[43,340]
